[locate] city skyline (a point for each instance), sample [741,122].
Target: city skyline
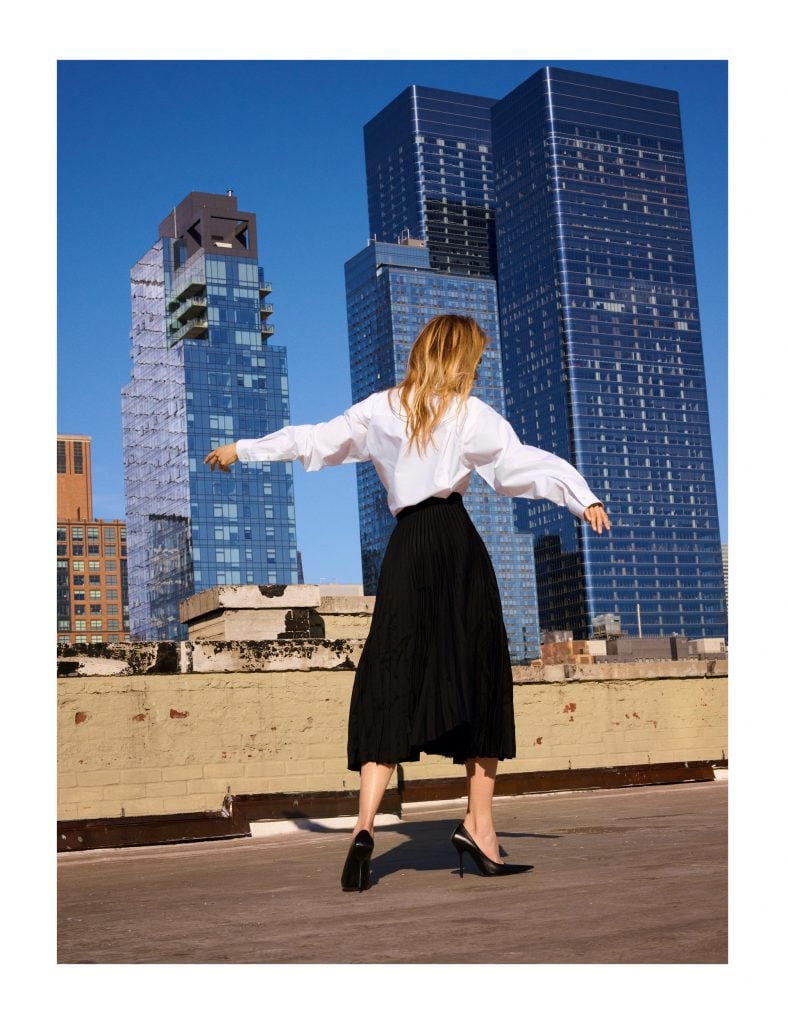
[309,293]
[571,191]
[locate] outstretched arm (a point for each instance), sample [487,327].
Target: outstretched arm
[342,439]
[522,471]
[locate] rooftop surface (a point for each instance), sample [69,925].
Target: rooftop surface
[630,876]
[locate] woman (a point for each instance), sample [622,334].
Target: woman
[435,674]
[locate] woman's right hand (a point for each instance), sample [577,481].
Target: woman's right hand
[223,457]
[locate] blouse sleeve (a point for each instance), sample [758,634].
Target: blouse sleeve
[342,439]
[519,470]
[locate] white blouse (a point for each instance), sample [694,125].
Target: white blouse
[479,439]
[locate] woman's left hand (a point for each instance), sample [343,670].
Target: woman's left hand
[597,517]
[223,457]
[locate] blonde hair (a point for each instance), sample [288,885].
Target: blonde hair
[441,366]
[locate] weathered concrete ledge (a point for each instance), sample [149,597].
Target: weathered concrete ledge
[277,612]
[185,657]
[688,668]
[164,657]
[274,595]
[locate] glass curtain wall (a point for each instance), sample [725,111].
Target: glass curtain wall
[602,351]
[203,374]
[392,293]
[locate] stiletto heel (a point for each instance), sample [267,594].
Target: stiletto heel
[355,874]
[463,843]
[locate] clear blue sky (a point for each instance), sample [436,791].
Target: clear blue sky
[134,137]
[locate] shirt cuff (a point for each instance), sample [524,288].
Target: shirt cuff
[578,504]
[244,450]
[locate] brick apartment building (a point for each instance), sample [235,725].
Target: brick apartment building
[92,591]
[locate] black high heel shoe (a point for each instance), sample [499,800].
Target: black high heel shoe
[355,874]
[463,843]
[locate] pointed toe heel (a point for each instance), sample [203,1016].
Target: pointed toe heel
[355,874]
[463,842]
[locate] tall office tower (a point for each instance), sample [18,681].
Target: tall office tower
[391,293]
[601,345]
[725,572]
[430,175]
[92,591]
[431,203]
[203,374]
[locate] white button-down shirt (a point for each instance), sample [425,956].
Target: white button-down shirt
[478,438]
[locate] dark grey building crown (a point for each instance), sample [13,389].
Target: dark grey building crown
[204,220]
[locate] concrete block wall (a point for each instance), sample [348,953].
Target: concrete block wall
[271,718]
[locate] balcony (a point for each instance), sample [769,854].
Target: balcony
[193,306]
[266,309]
[196,328]
[266,329]
[265,287]
[188,287]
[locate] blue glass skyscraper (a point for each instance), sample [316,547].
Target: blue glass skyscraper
[391,294]
[430,174]
[203,374]
[431,202]
[601,348]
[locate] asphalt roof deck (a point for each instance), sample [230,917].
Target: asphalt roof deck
[634,876]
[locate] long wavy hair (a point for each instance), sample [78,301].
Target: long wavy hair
[441,366]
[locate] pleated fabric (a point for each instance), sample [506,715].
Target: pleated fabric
[435,674]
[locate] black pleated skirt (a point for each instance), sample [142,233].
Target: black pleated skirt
[435,674]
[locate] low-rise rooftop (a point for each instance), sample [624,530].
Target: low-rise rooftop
[628,876]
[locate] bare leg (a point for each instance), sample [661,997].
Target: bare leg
[374,779]
[478,821]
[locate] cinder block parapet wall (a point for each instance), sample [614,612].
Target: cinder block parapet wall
[155,729]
